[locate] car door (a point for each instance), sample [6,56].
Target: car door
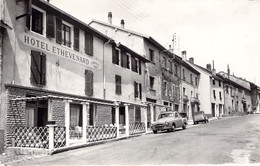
[178,120]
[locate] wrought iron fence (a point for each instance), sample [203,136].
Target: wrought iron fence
[59,136]
[97,133]
[33,137]
[136,128]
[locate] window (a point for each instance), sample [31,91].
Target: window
[164,62]
[219,83]
[66,35]
[151,55]
[136,65]
[125,60]
[165,87]
[213,81]
[183,73]
[227,90]
[115,55]
[191,93]
[138,90]
[196,81]
[89,43]
[118,84]
[183,91]
[151,82]
[38,68]
[220,97]
[214,93]
[76,39]
[37,21]
[175,70]
[137,114]
[191,80]
[171,67]
[88,82]
[75,116]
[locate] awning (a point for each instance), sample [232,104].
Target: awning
[5,25]
[60,97]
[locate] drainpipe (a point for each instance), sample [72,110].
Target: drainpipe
[104,76]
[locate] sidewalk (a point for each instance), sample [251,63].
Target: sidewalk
[9,159]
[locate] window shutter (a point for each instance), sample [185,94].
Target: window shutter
[140,91]
[50,26]
[89,82]
[35,67]
[140,67]
[43,69]
[114,56]
[122,58]
[136,89]
[58,30]
[88,43]
[118,84]
[133,63]
[29,11]
[76,39]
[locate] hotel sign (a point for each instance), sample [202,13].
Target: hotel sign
[52,48]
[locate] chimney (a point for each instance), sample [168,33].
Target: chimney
[122,23]
[228,71]
[191,60]
[110,17]
[183,53]
[213,70]
[209,67]
[170,48]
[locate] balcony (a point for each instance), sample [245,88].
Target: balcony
[194,100]
[185,98]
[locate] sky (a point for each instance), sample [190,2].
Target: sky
[226,31]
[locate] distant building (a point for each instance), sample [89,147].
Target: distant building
[190,80]
[210,89]
[237,94]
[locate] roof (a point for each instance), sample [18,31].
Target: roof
[51,9]
[149,38]
[190,67]
[215,76]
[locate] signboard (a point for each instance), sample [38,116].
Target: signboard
[53,48]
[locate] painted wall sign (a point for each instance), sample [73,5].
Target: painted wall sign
[58,50]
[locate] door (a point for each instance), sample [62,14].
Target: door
[213,109]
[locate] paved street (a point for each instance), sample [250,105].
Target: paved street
[227,140]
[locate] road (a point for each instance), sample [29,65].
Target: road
[227,140]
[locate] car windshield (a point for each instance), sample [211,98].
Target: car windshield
[166,115]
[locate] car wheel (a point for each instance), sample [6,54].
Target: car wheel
[184,126]
[173,128]
[155,131]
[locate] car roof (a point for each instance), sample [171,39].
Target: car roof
[168,112]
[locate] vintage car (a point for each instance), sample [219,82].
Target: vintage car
[200,117]
[169,120]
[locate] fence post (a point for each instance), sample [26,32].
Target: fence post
[51,136]
[127,119]
[84,121]
[117,119]
[67,121]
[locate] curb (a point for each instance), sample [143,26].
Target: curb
[95,143]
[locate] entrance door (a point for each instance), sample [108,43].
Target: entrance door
[213,109]
[42,117]
[122,115]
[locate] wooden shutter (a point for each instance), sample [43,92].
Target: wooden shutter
[118,84]
[122,59]
[76,39]
[140,91]
[89,82]
[136,89]
[50,26]
[35,67]
[114,56]
[133,63]
[140,67]
[43,69]
[29,11]
[58,30]
[88,43]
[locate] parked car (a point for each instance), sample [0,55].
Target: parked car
[169,120]
[200,117]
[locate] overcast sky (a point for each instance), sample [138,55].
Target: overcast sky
[226,31]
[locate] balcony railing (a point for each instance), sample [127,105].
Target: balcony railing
[185,98]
